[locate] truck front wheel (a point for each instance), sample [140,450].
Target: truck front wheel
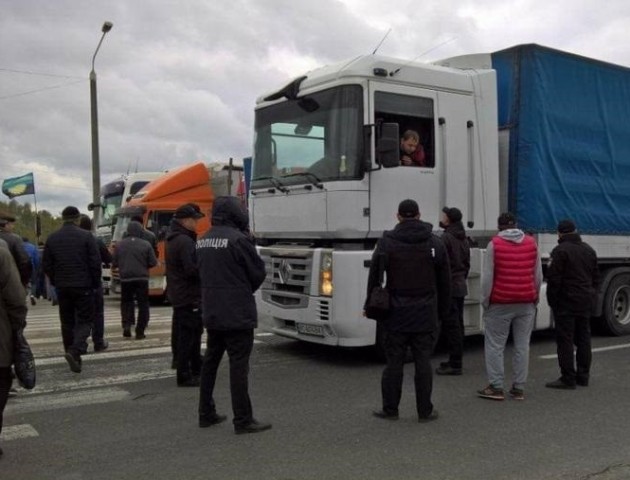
[617,306]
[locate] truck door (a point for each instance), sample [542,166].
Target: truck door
[413,109]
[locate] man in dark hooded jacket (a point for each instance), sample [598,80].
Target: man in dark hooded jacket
[572,283]
[184,293]
[419,283]
[230,271]
[458,250]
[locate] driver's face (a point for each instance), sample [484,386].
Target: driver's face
[408,146]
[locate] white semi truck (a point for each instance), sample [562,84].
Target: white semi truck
[542,133]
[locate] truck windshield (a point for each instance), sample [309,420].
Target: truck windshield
[111,200]
[320,134]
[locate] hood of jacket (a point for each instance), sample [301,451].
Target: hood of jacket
[134,229]
[227,211]
[515,235]
[411,231]
[457,230]
[176,229]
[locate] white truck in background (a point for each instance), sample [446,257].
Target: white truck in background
[536,131]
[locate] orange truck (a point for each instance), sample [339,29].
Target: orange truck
[156,203]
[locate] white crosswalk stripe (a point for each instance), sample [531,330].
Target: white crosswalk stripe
[104,374]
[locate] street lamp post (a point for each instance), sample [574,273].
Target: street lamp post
[96,167]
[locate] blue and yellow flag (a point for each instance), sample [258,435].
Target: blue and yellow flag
[14,187]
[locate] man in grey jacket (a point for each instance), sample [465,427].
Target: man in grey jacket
[134,256]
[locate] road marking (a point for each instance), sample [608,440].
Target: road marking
[15,432]
[93,383]
[38,403]
[140,352]
[264,334]
[594,350]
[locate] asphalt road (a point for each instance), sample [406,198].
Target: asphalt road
[124,417]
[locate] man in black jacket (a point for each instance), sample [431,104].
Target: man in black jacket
[98,326]
[419,284]
[231,271]
[572,282]
[458,250]
[184,293]
[73,264]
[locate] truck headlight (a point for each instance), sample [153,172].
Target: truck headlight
[326,275]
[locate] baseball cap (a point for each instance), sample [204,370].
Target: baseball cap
[188,210]
[408,208]
[566,226]
[454,214]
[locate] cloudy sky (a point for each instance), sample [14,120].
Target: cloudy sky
[178,80]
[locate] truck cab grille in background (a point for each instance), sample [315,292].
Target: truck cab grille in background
[288,273]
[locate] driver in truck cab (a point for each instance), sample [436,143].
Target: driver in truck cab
[411,150]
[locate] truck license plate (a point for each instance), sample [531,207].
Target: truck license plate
[310,329]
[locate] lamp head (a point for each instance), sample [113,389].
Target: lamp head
[107,26]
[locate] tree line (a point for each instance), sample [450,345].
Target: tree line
[26,222]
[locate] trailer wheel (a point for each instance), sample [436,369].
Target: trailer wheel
[617,306]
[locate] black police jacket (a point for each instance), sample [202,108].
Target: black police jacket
[182,276]
[572,277]
[230,269]
[418,277]
[71,258]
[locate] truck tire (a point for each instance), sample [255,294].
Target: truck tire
[616,318]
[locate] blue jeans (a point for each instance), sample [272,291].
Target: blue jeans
[498,319]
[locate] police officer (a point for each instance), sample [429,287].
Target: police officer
[419,283]
[572,282]
[73,264]
[184,293]
[230,270]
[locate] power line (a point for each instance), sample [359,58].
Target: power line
[42,89]
[26,72]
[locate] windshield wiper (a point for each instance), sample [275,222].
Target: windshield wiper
[314,179]
[274,181]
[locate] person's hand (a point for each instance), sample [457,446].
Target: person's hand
[406,160]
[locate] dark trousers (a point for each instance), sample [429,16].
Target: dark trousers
[138,291]
[189,330]
[238,344]
[76,311]
[5,386]
[453,328]
[396,344]
[174,339]
[98,327]
[570,330]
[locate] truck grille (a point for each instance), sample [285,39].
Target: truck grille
[288,273]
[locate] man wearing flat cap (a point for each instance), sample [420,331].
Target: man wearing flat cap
[73,264]
[184,293]
[458,250]
[572,282]
[16,247]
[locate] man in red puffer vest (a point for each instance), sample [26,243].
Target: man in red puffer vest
[512,275]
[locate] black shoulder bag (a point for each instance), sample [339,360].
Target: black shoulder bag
[23,360]
[377,305]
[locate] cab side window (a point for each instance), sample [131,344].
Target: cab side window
[413,114]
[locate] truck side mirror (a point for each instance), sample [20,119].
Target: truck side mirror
[387,146]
